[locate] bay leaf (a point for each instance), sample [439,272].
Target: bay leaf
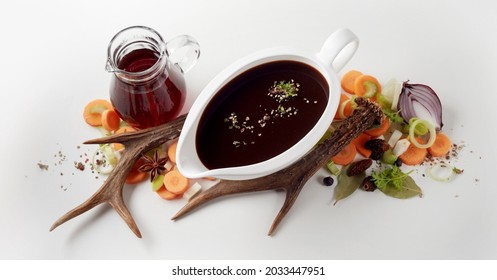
[409,189]
[347,185]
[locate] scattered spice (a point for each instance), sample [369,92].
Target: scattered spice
[281,92]
[43,166]
[79,166]
[155,165]
[328,181]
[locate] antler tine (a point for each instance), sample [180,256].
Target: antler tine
[82,208]
[154,135]
[222,188]
[291,196]
[111,191]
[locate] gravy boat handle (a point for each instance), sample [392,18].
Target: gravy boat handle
[339,48]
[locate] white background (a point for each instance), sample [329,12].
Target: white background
[52,63]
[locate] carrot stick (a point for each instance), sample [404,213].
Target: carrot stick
[171,151]
[360,142]
[165,194]
[441,146]
[366,86]
[348,80]
[93,111]
[346,155]
[110,120]
[376,132]
[175,182]
[413,155]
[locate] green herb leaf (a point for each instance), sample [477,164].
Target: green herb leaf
[389,176]
[409,189]
[347,185]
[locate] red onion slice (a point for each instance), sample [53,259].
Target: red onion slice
[420,101]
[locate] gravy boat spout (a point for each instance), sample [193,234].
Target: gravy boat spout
[335,53]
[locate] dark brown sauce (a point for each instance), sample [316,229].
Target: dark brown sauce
[244,124]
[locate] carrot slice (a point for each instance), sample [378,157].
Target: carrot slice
[346,155]
[414,155]
[175,182]
[93,111]
[347,109]
[119,146]
[360,142]
[110,120]
[165,194]
[134,177]
[366,86]
[378,131]
[441,146]
[348,80]
[171,151]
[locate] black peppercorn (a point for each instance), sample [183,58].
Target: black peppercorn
[328,181]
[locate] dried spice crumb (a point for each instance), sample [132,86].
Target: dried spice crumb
[43,166]
[79,166]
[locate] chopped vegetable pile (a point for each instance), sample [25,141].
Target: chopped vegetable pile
[409,135]
[158,164]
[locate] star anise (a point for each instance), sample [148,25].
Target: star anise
[154,165]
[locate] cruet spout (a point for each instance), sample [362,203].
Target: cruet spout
[109,67]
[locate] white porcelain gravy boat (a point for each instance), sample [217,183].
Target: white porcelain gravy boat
[334,54]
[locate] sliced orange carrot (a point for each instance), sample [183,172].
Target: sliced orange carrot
[346,155]
[119,146]
[377,131]
[167,195]
[124,129]
[93,111]
[348,80]
[441,146]
[414,155]
[135,177]
[175,182]
[366,86]
[171,151]
[360,142]
[110,120]
[347,109]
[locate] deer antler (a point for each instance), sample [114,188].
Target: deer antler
[111,191]
[291,179]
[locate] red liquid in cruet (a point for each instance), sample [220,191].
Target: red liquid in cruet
[149,103]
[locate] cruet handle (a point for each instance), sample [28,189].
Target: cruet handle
[183,51]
